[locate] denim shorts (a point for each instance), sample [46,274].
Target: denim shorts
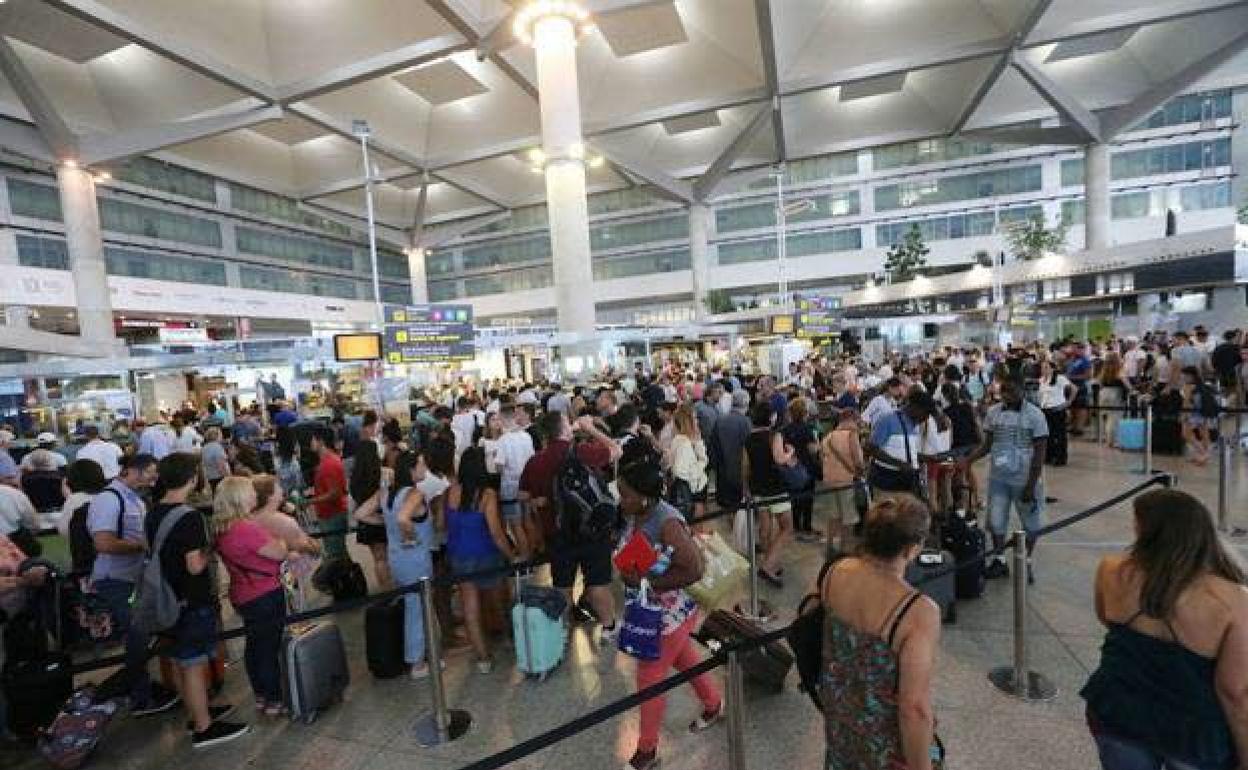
[470,564]
[1002,496]
[512,510]
[194,636]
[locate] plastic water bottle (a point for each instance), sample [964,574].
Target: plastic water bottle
[665,561]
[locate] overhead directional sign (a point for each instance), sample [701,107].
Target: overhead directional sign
[428,334]
[817,317]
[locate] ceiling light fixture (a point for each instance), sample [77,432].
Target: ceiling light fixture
[528,17]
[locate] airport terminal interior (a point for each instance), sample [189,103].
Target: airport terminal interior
[652,310]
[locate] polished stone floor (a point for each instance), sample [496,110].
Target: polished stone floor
[983,729]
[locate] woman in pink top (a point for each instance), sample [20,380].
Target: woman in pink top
[254,559]
[304,549]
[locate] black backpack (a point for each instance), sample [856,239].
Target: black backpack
[805,636]
[81,544]
[585,510]
[1209,406]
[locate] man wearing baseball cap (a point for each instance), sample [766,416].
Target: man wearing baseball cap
[44,458]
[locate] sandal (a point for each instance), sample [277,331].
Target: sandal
[707,719]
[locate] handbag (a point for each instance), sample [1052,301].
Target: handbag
[723,574]
[680,495]
[641,630]
[26,542]
[893,479]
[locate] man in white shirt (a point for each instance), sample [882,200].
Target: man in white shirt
[463,425]
[512,452]
[103,453]
[1133,359]
[884,403]
[156,440]
[16,510]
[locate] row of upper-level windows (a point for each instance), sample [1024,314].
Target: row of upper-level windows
[158,175]
[796,245]
[808,209]
[960,187]
[293,248]
[33,251]
[1150,161]
[954,226]
[273,206]
[1155,203]
[291,282]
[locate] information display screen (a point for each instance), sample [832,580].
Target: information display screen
[357,347]
[428,334]
[817,317]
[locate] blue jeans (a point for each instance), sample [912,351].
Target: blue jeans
[408,565]
[1124,754]
[264,643]
[1004,495]
[116,593]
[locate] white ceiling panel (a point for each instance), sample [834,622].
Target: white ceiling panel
[309,37]
[503,113]
[1011,100]
[818,38]
[143,89]
[393,112]
[1065,16]
[441,82]
[643,28]
[290,130]
[690,153]
[66,36]
[69,86]
[241,156]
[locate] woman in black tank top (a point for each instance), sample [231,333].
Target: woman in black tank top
[763,480]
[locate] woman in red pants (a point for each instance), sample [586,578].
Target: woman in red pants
[641,499]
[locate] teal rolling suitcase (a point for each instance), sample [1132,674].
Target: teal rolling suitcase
[537,621]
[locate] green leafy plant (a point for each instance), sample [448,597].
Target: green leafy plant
[906,259]
[1243,214]
[718,301]
[1032,237]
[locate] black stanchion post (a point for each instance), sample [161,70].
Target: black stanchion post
[442,725]
[1224,464]
[1148,439]
[1018,679]
[734,693]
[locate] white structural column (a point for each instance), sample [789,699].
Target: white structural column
[419,278]
[554,43]
[701,221]
[1096,196]
[86,254]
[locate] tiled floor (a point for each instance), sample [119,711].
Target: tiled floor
[982,728]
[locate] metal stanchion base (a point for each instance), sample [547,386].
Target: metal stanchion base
[426,728]
[1038,686]
[766,613]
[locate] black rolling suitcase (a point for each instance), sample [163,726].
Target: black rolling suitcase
[384,639]
[767,666]
[966,541]
[933,574]
[36,678]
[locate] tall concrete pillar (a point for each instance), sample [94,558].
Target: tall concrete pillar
[554,36]
[1096,196]
[86,254]
[418,276]
[701,221]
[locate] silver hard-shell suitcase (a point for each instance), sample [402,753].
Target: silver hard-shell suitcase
[314,669]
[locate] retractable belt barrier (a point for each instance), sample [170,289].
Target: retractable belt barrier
[1015,679]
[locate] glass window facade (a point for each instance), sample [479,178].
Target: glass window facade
[441,291]
[1190,108]
[618,235]
[166,177]
[933,151]
[799,245]
[955,226]
[266,204]
[512,280]
[629,199]
[440,263]
[984,184]
[42,252]
[390,264]
[163,267]
[760,215]
[1155,203]
[38,201]
[266,279]
[641,264]
[1150,161]
[291,248]
[133,219]
[391,292]
[507,253]
[810,170]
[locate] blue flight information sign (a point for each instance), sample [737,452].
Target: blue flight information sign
[428,334]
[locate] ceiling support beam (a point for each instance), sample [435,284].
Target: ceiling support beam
[900,65]
[771,74]
[1056,135]
[669,186]
[1025,28]
[1059,99]
[708,185]
[387,63]
[394,236]
[433,237]
[104,17]
[498,39]
[422,207]
[1127,115]
[1136,17]
[24,139]
[354,183]
[55,131]
[105,148]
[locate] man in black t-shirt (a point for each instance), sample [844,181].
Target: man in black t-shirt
[184,560]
